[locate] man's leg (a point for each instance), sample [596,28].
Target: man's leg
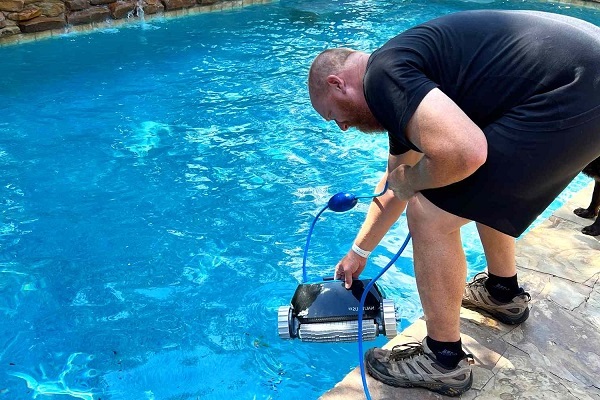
[439,362]
[499,251]
[440,266]
[498,293]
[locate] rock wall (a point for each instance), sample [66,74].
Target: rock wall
[22,20]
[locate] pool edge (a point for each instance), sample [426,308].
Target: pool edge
[560,267]
[228,5]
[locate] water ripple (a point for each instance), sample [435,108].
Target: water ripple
[154,218]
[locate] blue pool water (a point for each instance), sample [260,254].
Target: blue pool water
[157,185]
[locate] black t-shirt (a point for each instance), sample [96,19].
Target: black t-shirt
[491,63]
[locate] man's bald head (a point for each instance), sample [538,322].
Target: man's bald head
[329,62]
[335,87]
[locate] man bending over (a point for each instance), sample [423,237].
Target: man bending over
[490,115]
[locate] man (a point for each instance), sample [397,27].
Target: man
[490,114]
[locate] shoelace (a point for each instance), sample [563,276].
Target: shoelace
[524,293]
[470,358]
[478,280]
[412,349]
[406,350]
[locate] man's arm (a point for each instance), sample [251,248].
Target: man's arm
[383,212]
[453,147]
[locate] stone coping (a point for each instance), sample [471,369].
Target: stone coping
[115,23]
[555,354]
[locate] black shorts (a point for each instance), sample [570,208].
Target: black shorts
[527,167]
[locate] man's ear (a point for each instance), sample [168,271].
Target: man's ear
[337,83]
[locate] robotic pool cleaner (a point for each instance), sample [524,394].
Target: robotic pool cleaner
[326,311]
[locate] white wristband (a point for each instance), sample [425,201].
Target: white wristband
[359,251]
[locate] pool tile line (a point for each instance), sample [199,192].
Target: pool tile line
[555,353]
[226,5]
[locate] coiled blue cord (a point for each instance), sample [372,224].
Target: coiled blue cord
[339,203]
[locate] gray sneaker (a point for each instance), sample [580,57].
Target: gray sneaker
[414,365]
[477,297]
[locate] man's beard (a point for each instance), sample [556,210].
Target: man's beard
[367,123]
[363,120]
[371,129]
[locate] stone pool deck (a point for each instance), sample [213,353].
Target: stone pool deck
[555,354]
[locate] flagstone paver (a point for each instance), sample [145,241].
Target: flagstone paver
[555,354]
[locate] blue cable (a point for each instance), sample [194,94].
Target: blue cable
[339,203]
[361,305]
[304,275]
[385,188]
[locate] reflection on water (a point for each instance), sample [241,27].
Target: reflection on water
[153,218]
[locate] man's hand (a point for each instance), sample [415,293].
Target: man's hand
[351,266]
[398,183]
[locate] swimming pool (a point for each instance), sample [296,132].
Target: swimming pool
[158,183]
